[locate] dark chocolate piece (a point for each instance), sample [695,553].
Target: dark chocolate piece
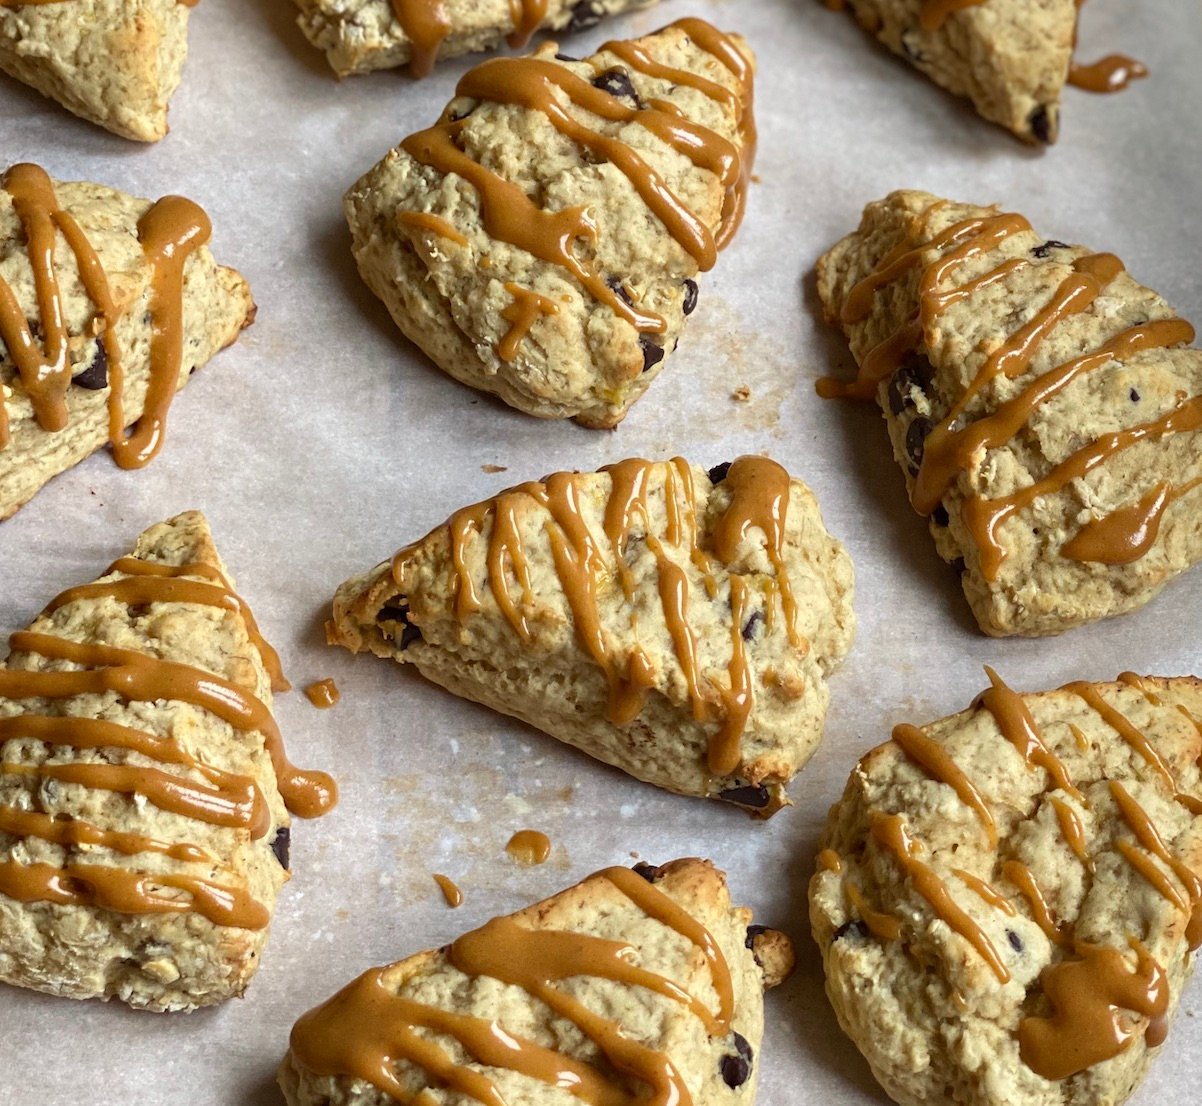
[755,797]
[96,375]
[281,845]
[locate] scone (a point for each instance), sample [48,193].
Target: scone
[144,790]
[1007,900]
[112,62]
[635,985]
[540,242]
[107,305]
[675,624]
[1040,401]
[361,35]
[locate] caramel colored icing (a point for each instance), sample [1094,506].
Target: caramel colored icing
[587,563]
[935,760]
[170,231]
[527,307]
[450,892]
[956,444]
[367,1029]
[529,847]
[571,104]
[323,694]
[206,794]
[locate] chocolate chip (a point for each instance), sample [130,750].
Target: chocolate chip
[753,622]
[755,797]
[649,872]
[916,440]
[1040,122]
[690,296]
[565,57]
[619,290]
[916,372]
[718,473]
[96,375]
[616,82]
[398,611]
[939,516]
[1016,942]
[281,846]
[736,1067]
[653,353]
[1134,396]
[586,14]
[1044,248]
[752,933]
[854,928]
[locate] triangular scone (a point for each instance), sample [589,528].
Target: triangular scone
[112,62]
[361,35]
[675,624]
[1010,57]
[540,242]
[144,789]
[631,982]
[1007,900]
[131,304]
[1040,401]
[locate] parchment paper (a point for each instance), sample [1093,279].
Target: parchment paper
[322,441]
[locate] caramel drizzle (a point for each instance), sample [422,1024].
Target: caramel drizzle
[935,760]
[986,891]
[323,694]
[885,926]
[425,25]
[510,215]
[436,224]
[890,831]
[935,13]
[450,892]
[527,16]
[1126,534]
[1073,831]
[367,1029]
[529,847]
[1024,879]
[759,496]
[525,310]
[954,447]
[170,232]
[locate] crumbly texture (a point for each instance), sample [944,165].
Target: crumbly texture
[217,305]
[926,1010]
[1037,590]
[552,682]
[584,361]
[1009,57]
[594,907]
[175,961]
[112,62]
[361,35]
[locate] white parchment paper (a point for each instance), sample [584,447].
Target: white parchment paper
[322,441]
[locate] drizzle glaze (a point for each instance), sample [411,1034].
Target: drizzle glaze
[570,103]
[170,232]
[759,498]
[529,847]
[956,445]
[323,694]
[218,798]
[367,1029]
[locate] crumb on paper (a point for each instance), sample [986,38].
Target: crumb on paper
[742,394]
[494,468]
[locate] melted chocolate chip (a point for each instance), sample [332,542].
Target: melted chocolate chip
[690,297]
[398,611]
[1134,396]
[1040,122]
[585,14]
[649,872]
[619,290]
[854,928]
[913,373]
[281,846]
[96,375]
[1044,248]
[616,82]
[939,516]
[1016,942]
[916,440]
[565,57]
[653,354]
[718,473]
[755,797]
[752,623]
[736,1067]
[752,933]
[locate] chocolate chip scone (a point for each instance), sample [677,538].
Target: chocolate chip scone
[675,624]
[634,985]
[144,790]
[361,35]
[540,242]
[1040,401]
[112,62]
[1010,57]
[1008,899]
[107,305]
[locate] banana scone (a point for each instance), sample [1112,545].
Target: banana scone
[1042,404]
[540,242]
[675,624]
[361,35]
[1008,900]
[144,790]
[107,305]
[112,62]
[635,985]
